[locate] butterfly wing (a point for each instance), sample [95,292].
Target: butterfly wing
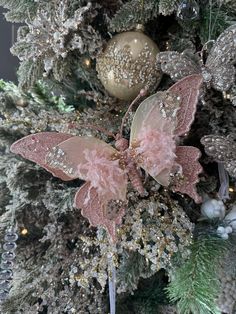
[95,210]
[222,76]
[221,149]
[35,147]
[221,60]
[230,166]
[188,90]
[177,65]
[97,163]
[152,133]
[187,158]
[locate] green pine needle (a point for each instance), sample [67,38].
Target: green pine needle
[195,285]
[133,13]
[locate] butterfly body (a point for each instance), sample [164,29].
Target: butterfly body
[128,161]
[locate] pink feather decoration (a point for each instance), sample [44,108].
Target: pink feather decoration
[105,175]
[157,157]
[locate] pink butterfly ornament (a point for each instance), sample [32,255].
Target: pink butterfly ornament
[158,122]
[161,119]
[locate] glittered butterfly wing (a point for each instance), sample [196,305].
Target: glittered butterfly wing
[221,149]
[187,158]
[35,147]
[230,166]
[97,163]
[177,65]
[187,90]
[96,211]
[221,60]
[152,135]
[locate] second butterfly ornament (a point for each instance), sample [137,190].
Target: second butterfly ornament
[157,124]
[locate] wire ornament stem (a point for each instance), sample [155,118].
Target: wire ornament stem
[112,282]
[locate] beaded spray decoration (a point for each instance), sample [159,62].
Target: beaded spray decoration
[7,262]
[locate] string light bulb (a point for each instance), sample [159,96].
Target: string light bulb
[87,62]
[24,232]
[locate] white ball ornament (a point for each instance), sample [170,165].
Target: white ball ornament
[213,208]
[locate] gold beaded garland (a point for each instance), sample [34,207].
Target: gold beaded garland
[128,64]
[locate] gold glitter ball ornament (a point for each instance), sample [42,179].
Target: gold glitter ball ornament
[128,64]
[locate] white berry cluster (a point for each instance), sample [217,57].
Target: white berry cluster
[213,209]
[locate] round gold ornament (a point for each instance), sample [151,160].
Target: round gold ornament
[128,64]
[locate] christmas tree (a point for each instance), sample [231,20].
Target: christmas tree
[118,158]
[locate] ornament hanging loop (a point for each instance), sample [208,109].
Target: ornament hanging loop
[139,28]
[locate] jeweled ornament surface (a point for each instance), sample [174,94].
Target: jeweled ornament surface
[128,64]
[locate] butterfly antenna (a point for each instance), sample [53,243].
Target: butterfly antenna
[142,93]
[204,47]
[98,128]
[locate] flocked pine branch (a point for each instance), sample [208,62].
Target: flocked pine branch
[132,267]
[133,13]
[29,72]
[195,285]
[167,7]
[147,300]
[19,10]
[54,39]
[229,5]
[40,95]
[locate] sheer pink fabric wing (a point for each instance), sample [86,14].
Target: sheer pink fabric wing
[187,158]
[152,136]
[35,147]
[150,113]
[92,207]
[92,160]
[188,90]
